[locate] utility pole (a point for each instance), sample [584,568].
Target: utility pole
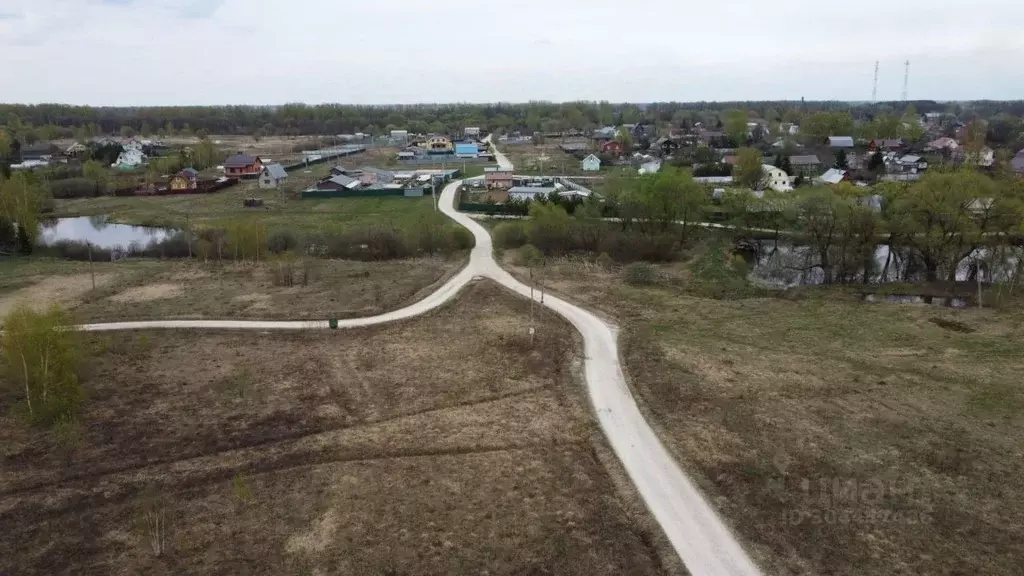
[906,78]
[874,89]
[92,272]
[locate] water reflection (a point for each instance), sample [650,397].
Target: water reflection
[910,299]
[784,265]
[100,232]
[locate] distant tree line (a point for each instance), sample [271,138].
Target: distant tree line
[34,123]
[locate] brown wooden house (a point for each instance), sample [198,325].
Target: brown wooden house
[242,166]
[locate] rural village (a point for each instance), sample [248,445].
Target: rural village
[580,338]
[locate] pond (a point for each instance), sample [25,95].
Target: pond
[784,265]
[100,232]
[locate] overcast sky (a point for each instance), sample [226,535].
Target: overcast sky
[153,52]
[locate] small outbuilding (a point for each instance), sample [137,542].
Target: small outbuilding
[591,163]
[273,175]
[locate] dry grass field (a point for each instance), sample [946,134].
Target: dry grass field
[837,436]
[154,289]
[448,444]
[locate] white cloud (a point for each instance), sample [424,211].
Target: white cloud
[131,52]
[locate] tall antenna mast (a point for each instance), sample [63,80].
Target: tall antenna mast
[874,89]
[906,78]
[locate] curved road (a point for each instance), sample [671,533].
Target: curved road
[696,532]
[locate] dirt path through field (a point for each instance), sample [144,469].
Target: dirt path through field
[700,537]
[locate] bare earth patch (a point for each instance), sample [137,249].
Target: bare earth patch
[447,444]
[64,290]
[149,292]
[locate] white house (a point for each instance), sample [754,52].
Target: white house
[832,176]
[131,157]
[273,175]
[650,167]
[775,178]
[591,163]
[471,131]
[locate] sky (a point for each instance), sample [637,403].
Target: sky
[195,52]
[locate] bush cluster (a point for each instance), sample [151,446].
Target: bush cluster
[563,235]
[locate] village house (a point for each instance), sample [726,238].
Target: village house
[42,152]
[808,165]
[187,179]
[775,178]
[437,145]
[574,147]
[471,131]
[131,156]
[273,175]
[840,142]
[612,147]
[495,177]
[885,144]
[76,150]
[591,164]
[242,166]
[467,149]
[945,143]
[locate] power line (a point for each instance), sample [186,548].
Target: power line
[874,89]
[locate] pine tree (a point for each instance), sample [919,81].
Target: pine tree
[841,159]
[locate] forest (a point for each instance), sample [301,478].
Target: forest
[49,121]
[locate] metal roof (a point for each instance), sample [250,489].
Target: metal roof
[840,141]
[809,160]
[276,171]
[240,161]
[342,180]
[531,190]
[833,176]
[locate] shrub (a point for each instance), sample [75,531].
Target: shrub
[175,246]
[75,188]
[640,274]
[77,250]
[530,256]
[41,359]
[630,246]
[509,235]
[461,238]
[548,228]
[281,241]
